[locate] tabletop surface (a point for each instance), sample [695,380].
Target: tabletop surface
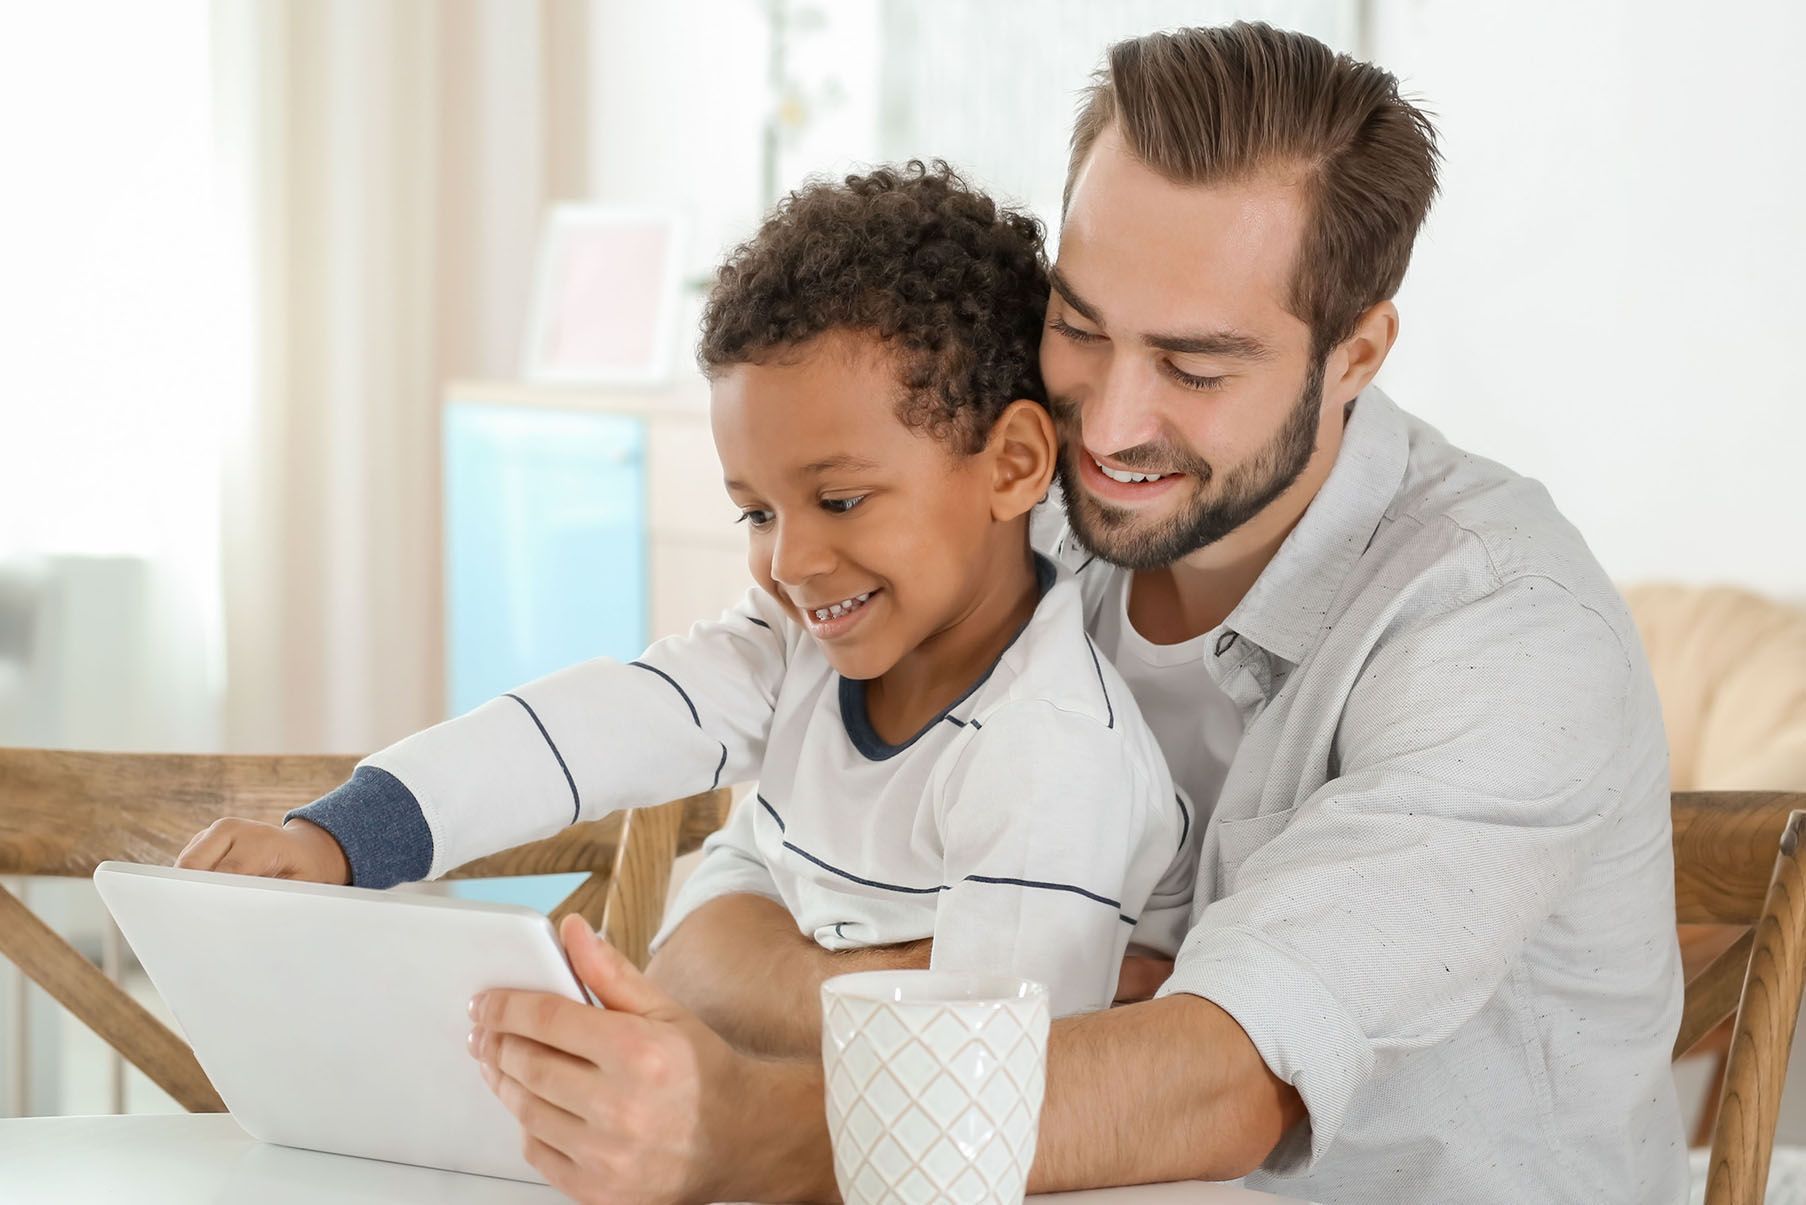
[206,1159]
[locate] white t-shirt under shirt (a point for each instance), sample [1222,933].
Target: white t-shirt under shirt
[1198,726]
[1032,827]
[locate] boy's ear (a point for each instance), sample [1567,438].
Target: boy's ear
[1022,451]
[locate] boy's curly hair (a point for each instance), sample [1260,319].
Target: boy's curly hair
[955,285]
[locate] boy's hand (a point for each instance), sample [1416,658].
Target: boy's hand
[296,850]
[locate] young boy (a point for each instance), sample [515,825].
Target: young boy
[941,752]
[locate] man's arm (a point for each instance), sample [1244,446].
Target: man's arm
[739,963]
[640,1098]
[1169,1089]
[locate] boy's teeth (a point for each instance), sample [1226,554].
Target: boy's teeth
[836,610]
[1124,477]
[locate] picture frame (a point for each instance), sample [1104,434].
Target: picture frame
[605,297]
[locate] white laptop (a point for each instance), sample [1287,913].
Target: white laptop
[334,1018]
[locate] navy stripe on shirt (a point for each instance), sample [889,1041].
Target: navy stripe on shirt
[682,693]
[1100,683]
[685,696]
[939,887]
[576,804]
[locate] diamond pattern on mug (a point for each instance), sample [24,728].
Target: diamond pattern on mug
[934,1102]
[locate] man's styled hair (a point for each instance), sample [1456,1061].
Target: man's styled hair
[1222,104]
[954,285]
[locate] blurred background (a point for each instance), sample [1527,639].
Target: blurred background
[282,468]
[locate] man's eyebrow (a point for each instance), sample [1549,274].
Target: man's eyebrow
[845,462]
[1228,344]
[1064,288]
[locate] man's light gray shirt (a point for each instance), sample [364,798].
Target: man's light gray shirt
[1437,886]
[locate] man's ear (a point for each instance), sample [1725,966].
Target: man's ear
[1357,359]
[1022,450]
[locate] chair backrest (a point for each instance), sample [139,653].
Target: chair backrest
[64,813]
[1739,859]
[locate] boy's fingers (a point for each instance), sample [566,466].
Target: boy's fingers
[205,850]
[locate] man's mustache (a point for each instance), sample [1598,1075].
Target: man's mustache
[1156,457]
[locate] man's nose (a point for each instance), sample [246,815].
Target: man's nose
[1120,411]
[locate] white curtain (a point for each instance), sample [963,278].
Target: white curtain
[393,159]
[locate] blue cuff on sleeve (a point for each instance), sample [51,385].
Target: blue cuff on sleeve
[380,826]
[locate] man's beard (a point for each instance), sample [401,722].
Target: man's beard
[1120,537]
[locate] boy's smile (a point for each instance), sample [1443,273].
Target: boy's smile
[885,542]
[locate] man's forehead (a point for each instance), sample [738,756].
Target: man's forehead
[1139,245]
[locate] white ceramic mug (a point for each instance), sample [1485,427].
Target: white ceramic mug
[934,1084]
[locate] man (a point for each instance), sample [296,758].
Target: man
[1433,955]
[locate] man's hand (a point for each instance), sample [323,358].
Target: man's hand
[638,1101]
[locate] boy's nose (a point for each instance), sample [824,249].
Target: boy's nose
[797,555]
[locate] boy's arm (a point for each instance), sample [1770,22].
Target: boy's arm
[690,713]
[1053,837]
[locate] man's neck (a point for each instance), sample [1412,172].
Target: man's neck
[1195,594]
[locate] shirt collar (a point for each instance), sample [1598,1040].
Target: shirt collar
[1288,606]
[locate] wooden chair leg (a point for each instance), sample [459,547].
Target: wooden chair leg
[103,1006]
[1744,1135]
[642,874]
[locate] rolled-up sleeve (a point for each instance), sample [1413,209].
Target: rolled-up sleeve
[1469,785]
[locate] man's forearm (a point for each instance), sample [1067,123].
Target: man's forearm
[739,963]
[1163,1090]
[1170,1089]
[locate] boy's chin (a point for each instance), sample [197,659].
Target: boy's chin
[858,664]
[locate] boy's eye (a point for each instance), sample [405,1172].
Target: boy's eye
[755,516]
[841,506]
[1072,332]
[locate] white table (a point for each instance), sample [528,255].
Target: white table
[205,1159]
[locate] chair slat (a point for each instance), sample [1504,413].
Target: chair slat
[1724,853]
[64,813]
[1713,993]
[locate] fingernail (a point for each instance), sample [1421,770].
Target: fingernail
[474,1043]
[476,1007]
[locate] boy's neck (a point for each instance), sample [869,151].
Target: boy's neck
[927,680]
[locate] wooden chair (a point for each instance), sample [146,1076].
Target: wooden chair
[1739,859]
[64,813]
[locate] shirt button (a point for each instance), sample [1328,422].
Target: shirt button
[1225,642]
